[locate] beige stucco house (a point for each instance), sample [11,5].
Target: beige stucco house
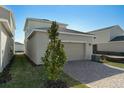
[109,39]
[77,45]
[7,32]
[19,47]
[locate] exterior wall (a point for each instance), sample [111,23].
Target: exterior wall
[0,50]
[31,48]
[19,47]
[42,42]
[79,38]
[101,36]
[7,47]
[117,46]
[116,31]
[37,45]
[25,46]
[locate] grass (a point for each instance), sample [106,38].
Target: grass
[116,64]
[25,75]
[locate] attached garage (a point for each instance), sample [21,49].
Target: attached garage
[74,51]
[77,45]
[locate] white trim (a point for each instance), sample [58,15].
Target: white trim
[5,21]
[115,41]
[6,24]
[111,42]
[67,33]
[68,41]
[76,34]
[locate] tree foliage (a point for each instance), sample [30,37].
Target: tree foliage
[55,57]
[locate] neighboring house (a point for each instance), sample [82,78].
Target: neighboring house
[109,39]
[77,45]
[19,47]
[7,32]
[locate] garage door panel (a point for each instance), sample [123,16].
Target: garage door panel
[74,51]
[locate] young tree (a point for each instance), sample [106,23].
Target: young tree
[55,57]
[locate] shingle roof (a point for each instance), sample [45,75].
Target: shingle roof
[118,38]
[67,30]
[103,28]
[75,31]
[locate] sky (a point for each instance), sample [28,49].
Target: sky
[83,18]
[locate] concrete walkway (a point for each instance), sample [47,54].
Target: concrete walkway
[95,75]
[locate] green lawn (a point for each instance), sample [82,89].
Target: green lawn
[25,75]
[116,64]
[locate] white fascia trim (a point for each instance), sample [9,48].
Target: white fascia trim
[111,42]
[116,42]
[6,24]
[68,41]
[37,30]
[77,34]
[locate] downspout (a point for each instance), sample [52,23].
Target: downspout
[0,52]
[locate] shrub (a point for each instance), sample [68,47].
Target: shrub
[55,57]
[102,58]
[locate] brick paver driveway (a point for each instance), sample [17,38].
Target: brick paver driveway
[95,74]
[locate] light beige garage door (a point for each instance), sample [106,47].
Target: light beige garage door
[74,51]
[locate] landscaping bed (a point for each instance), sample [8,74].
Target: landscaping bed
[25,75]
[116,64]
[111,58]
[117,59]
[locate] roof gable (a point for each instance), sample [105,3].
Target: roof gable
[104,29]
[68,31]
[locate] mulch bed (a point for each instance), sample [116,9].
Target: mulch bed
[55,84]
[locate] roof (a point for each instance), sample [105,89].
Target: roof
[110,27]
[67,30]
[44,20]
[19,43]
[75,31]
[118,38]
